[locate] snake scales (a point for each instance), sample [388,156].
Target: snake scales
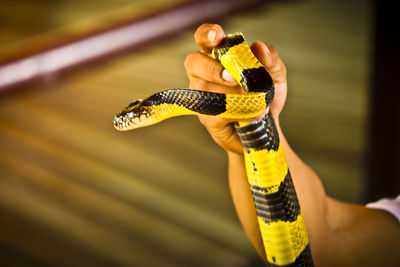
[279,216]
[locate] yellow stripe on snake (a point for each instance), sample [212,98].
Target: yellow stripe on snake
[279,217]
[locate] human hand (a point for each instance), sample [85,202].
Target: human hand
[207,74]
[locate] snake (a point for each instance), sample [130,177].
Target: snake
[279,216]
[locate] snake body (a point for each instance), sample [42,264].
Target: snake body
[278,211]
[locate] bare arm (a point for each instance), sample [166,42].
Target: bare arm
[341,234]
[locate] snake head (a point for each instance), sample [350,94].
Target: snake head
[133,116]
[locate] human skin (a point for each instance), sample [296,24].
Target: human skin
[341,234]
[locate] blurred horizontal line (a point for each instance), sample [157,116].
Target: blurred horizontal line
[96,46]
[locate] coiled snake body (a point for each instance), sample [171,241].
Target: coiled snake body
[279,216]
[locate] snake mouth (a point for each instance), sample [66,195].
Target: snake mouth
[133,116]
[120,123]
[129,121]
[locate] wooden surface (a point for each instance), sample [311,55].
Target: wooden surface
[75,192]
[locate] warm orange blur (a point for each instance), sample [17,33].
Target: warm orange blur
[75,192]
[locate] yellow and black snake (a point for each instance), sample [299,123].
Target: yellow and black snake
[279,216]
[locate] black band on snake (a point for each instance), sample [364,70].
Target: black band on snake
[279,215]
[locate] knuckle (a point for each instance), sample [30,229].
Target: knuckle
[211,68]
[274,53]
[187,63]
[272,49]
[215,70]
[284,70]
[190,61]
[201,84]
[198,84]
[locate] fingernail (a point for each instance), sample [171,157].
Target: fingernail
[227,76]
[211,35]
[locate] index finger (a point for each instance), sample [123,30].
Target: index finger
[208,36]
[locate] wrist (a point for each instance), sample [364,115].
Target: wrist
[276,119]
[233,155]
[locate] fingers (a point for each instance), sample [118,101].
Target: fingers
[200,84]
[265,53]
[208,36]
[207,74]
[269,57]
[199,65]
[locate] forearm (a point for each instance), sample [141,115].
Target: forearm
[342,233]
[243,201]
[309,189]
[339,233]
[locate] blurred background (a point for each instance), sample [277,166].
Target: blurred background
[75,192]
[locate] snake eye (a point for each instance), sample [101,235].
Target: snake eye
[133,105]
